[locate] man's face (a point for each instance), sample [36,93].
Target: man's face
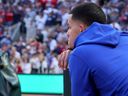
[75,27]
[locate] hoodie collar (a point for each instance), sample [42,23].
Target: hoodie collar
[97,33]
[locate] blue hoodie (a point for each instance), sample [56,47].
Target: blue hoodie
[98,64]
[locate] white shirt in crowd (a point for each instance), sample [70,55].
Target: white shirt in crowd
[35,62]
[26,68]
[53,44]
[55,66]
[40,21]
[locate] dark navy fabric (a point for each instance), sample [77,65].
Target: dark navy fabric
[99,62]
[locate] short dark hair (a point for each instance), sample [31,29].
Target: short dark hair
[88,13]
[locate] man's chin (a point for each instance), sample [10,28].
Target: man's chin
[70,47]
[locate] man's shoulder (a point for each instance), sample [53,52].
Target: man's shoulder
[87,50]
[80,51]
[84,48]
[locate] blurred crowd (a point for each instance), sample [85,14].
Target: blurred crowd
[42,30]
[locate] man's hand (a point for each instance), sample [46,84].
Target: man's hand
[63,59]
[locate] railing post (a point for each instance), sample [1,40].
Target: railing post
[67,83]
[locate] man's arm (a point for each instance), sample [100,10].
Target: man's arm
[81,80]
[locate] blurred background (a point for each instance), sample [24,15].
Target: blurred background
[33,32]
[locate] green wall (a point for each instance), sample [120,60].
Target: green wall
[41,84]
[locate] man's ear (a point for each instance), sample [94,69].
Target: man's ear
[82,27]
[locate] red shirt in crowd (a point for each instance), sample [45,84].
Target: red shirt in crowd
[8,16]
[44,2]
[19,69]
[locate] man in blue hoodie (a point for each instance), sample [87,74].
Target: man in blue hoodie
[98,62]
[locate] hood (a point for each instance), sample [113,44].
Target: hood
[102,34]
